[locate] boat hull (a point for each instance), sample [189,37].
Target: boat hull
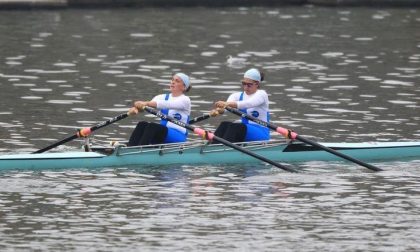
[209,154]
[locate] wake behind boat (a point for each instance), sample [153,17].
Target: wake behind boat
[201,153]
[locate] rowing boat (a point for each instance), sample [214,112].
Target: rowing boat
[200,152]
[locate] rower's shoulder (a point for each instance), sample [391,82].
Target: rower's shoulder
[262,92]
[159,97]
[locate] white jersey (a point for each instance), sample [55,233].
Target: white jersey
[255,104]
[179,108]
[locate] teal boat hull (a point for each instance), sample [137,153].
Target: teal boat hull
[203,154]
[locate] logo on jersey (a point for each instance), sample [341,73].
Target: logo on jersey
[255,113]
[177,116]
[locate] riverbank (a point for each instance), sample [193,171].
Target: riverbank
[34,4]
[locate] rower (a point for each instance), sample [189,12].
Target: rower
[175,104]
[253,101]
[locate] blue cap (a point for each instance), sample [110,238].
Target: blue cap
[253,74]
[184,79]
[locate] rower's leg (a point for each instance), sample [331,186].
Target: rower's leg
[153,134]
[137,134]
[233,132]
[221,130]
[236,132]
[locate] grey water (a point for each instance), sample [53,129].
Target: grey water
[333,74]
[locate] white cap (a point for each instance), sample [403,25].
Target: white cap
[184,79]
[253,74]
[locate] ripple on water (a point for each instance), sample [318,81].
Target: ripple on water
[28,77]
[82,110]
[76,93]
[24,84]
[161,67]
[397,83]
[41,71]
[208,53]
[32,97]
[298,89]
[64,64]
[141,35]
[402,102]
[64,101]
[293,65]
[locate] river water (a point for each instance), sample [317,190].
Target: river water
[333,74]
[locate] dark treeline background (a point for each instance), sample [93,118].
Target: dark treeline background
[29,4]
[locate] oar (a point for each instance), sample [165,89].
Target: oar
[199,118]
[209,136]
[292,135]
[203,117]
[83,132]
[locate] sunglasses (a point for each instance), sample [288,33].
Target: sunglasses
[248,84]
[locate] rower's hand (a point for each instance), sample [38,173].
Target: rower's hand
[139,105]
[216,112]
[133,111]
[221,104]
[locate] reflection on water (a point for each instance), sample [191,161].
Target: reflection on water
[332,75]
[333,206]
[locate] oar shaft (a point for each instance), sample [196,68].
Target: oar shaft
[83,132]
[108,122]
[212,113]
[254,119]
[199,119]
[209,136]
[252,154]
[65,140]
[292,135]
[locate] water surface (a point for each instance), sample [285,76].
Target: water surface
[345,74]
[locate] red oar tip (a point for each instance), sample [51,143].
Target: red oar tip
[84,132]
